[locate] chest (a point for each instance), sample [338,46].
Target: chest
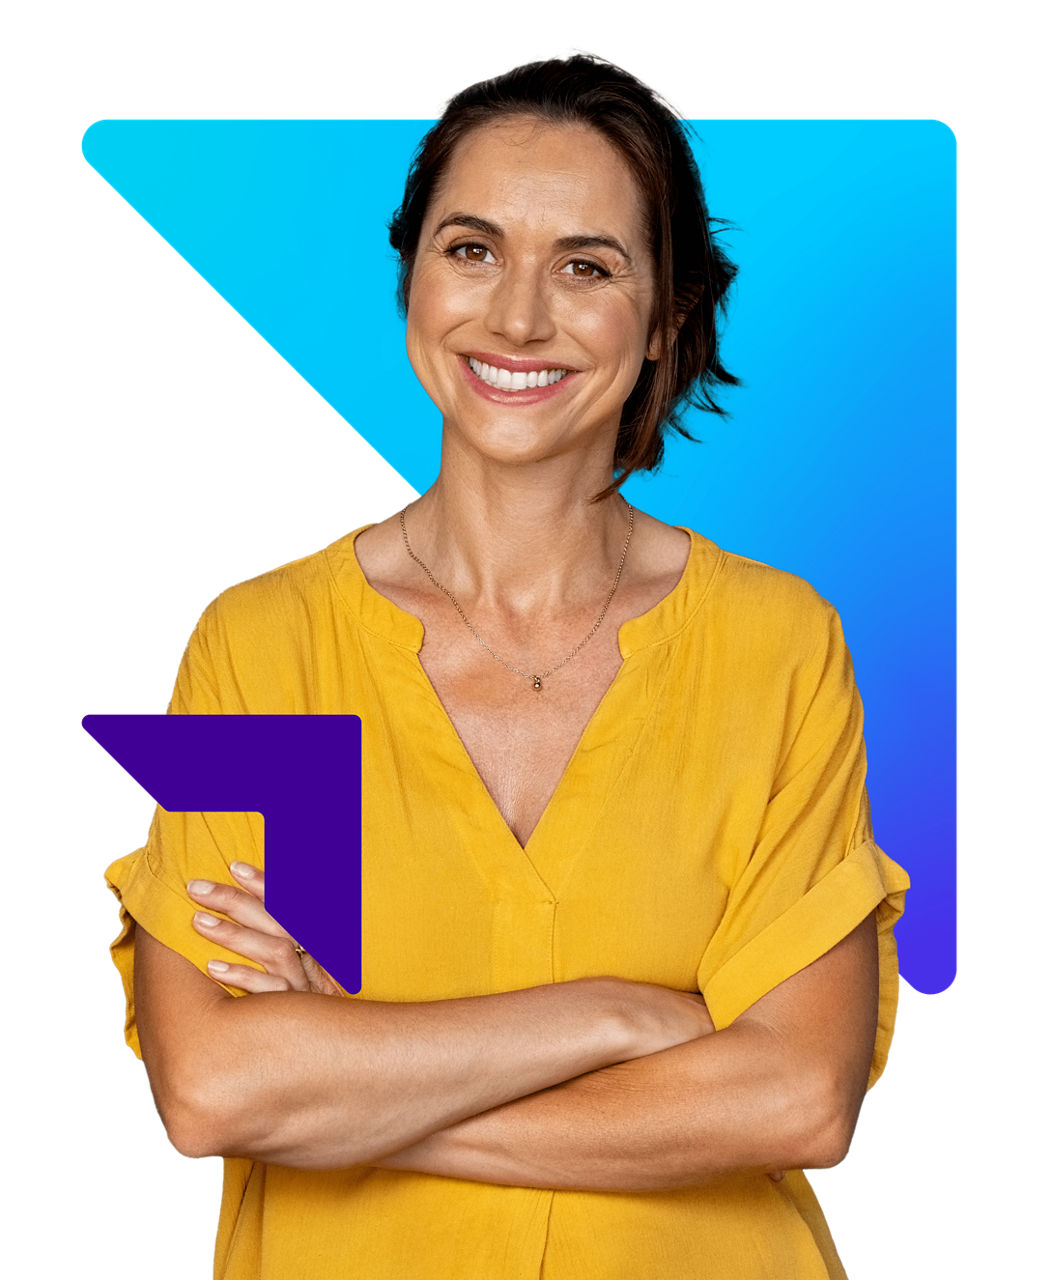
[628,824]
[518,738]
[654,784]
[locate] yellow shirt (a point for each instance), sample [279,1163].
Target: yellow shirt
[710,833]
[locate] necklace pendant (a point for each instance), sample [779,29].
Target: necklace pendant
[535,681]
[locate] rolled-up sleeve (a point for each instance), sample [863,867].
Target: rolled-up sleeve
[814,872]
[150,883]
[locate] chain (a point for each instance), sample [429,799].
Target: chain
[536,680]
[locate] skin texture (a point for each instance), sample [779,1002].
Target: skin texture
[599,1083]
[780,1088]
[519,291]
[296,1077]
[508,525]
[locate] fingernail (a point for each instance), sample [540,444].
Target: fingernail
[206,921]
[218,966]
[243,870]
[200,887]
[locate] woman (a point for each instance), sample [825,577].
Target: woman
[627,937]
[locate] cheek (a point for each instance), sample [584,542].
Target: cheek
[621,334]
[423,327]
[435,308]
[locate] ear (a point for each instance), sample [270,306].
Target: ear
[663,337]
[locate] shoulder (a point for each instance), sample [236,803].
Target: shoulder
[273,644]
[765,613]
[262,644]
[300,589]
[750,582]
[770,645]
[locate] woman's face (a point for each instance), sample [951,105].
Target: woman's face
[532,292]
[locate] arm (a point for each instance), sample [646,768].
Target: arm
[780,1088]
[318,1081]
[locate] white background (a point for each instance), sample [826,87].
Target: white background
[157,450]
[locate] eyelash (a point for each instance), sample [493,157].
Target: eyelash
[583,262]
[457,251]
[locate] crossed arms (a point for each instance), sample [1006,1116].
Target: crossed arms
[598,1083]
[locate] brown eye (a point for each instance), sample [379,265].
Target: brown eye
[585,270]
[472,253]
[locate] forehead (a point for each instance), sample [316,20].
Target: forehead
[568,178]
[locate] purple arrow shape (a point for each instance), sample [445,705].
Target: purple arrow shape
[303,773]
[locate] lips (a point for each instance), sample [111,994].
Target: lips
[519,383]
[502,378]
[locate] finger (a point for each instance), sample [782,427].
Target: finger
[777,1175]
[244,977]
[252,880]
[249,877]
[236,903]
[277,954]
[320,979]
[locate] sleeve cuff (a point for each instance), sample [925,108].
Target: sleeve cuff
[166,914]
[866,880]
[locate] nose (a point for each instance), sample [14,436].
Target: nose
[520,308]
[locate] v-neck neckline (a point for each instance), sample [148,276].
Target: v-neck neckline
[663,620]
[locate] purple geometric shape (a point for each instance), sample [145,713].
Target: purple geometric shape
[303,773]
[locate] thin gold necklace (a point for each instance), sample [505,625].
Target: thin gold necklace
[536,680]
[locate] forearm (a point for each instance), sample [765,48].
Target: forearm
[723,1104]
[319,1081]
[778,1089]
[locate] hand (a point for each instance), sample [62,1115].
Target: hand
[254,934]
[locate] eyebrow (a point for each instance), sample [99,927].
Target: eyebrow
[565,243]
[471,221]
[572,243]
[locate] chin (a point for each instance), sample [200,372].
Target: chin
[513,446]
[512,450]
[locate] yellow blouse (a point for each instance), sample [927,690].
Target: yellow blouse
[710,833]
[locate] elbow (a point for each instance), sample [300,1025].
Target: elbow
[195,1123]
[827,1145]
[824,1114]
[190,1138]
[200,1110]
[211,1106]
[205,1116]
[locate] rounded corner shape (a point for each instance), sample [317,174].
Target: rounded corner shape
[89,138]
[939,984]
[945,129]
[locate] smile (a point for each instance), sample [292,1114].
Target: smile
[506,380]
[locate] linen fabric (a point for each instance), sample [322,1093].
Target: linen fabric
[711,832]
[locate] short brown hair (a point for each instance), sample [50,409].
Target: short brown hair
[693,274]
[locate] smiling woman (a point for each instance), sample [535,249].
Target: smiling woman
[628,951]
[496,277]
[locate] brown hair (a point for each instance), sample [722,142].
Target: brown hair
[693,274]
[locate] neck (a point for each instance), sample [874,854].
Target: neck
[513,538]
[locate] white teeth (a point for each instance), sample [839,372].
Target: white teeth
[504,380]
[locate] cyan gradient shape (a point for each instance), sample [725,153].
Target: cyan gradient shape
[303,773]
[838,462]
